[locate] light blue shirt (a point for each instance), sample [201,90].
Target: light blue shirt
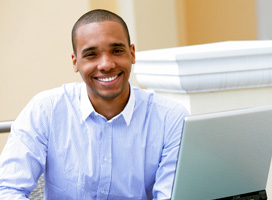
[85,156]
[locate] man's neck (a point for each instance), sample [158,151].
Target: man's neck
[111,108]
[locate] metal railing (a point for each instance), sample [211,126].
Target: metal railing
[5,126]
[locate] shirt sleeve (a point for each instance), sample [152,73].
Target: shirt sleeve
[23,158]
[172,138]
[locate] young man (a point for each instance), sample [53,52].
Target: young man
[100,139]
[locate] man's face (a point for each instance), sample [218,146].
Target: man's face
[104,59]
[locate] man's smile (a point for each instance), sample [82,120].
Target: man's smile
[108,78]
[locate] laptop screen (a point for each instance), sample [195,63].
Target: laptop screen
[224,154]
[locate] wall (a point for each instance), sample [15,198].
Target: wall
[156,24]
[35,50]
[104,4]
[210,21]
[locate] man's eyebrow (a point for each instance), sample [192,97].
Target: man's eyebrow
[94,48]
[88,49]
[117,45]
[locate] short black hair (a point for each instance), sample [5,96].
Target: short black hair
[97,15]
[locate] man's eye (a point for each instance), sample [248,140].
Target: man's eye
[118,51]
[90,55]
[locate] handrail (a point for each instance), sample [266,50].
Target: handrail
[5,126]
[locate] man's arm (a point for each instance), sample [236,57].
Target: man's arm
[166,171]
[23,158]
[19,170]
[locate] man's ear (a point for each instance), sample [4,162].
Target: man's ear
[132,51]
[74,60]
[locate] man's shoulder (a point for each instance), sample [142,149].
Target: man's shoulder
[69,90]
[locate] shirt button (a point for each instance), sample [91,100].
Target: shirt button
[105,159]
[106,125]
[102,191]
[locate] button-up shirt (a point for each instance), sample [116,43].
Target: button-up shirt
[85,156]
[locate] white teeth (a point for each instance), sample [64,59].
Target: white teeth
[107,79]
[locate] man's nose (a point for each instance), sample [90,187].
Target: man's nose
[106,63]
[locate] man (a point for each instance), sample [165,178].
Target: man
[100,139]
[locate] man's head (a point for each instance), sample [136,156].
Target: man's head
[98,15]
[103,55]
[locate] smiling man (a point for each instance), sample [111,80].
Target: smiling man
[100,139]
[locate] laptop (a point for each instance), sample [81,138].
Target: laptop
[224,155]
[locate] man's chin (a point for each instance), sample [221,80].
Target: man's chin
[109,95]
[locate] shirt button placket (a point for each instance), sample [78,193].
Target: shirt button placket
[105,162]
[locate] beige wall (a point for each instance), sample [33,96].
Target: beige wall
[210,21]
[156,24]
[104,4]
[3,139]
[35,50]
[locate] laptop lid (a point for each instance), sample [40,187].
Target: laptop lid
[224,154]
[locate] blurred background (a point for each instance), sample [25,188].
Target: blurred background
[35,36]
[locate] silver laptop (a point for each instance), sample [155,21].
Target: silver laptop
[224,154]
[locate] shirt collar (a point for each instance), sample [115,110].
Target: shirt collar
[86,106]
[129,108]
